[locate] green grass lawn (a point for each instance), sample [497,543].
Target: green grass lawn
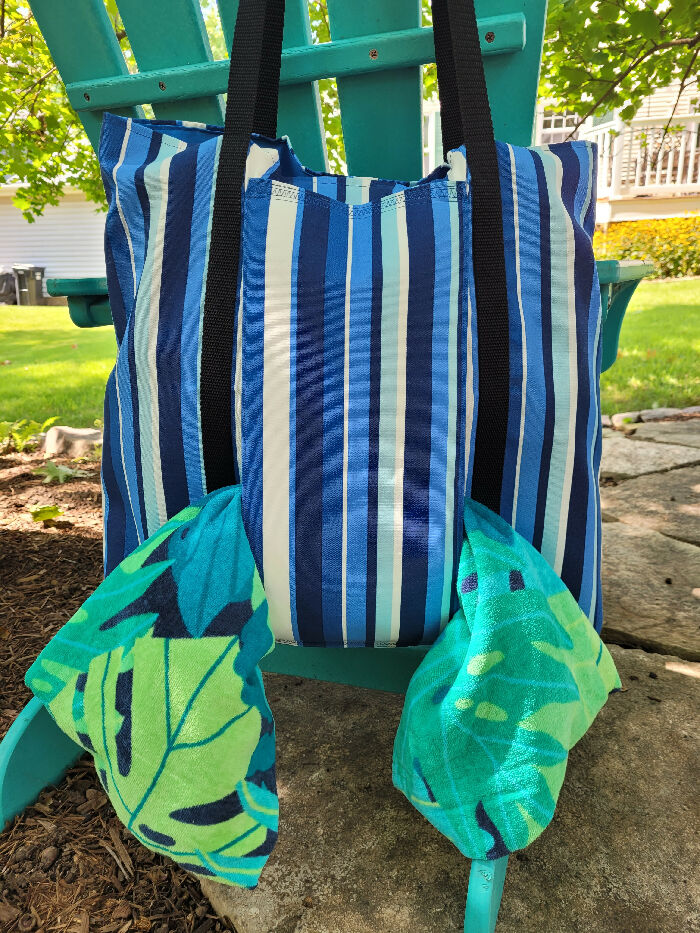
[54,368]
[658,363]
[58,369]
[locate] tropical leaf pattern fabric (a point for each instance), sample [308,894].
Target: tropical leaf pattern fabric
[157,676]
[512,683]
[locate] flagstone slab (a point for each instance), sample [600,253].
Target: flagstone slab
[666,502]
[686,433]
[624,457]
[651,591]
[355,857]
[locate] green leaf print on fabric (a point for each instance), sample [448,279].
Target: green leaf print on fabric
[160,681]
[513,682]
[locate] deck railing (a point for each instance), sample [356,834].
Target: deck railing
[645,158]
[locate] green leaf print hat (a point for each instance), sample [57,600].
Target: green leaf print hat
[512,683]
[157,676]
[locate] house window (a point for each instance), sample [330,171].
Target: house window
[558,127]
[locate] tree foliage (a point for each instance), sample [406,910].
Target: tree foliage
[599,55]
[42,142]
[612,54]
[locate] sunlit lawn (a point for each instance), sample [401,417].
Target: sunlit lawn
[658,364]
[58,369]
[49,367]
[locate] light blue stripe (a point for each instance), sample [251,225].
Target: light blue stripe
[560,357]
[358,425]
[136,154]
[528,234]
[387,425]
[145,310]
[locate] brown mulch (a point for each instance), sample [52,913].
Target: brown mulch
[66,864]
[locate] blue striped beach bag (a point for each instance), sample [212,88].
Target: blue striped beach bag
[359,354]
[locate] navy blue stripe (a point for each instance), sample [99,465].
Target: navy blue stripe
[577,538]
[115,529]
[419,401]
[116,298]
[546,298]
[374,395]
[332,374]
[311,282]
[178,223]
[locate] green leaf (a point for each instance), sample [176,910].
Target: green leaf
[52,471]
[44,513]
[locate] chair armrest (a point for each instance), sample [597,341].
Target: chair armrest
[618,280]
[612,271]
[87,300]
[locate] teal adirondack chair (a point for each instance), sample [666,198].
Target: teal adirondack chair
[376,52]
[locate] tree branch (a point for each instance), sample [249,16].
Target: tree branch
[656,47]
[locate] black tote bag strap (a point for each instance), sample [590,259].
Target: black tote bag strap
[251,106]
[253,88]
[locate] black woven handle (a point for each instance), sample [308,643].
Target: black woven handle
[253,92]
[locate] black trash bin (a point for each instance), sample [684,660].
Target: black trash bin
[30,285]
[8,289]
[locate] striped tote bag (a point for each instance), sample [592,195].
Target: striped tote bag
[360,354]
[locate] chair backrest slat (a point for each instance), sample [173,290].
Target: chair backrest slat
[380,113]
[512,79]
[83,45]
[300,106]
[167,34]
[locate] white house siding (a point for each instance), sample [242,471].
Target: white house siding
[67,239]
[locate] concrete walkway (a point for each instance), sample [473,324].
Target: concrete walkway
[621,855]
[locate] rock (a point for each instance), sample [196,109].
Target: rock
[624,457]
[606,421]
[623,418]
[686,433]
[666,502]
[48,857]
[692,410]
[371,864]
[658,414]
[648,584]
[70,442]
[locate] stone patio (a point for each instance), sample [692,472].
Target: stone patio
[621,855]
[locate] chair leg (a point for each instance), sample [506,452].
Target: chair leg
[33,754]
[486,880]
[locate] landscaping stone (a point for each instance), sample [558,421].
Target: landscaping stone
[624,457]
[623,418]
[666,502]
[651,591]
[686,433]
[70,442]
[658,414]
[355,857]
